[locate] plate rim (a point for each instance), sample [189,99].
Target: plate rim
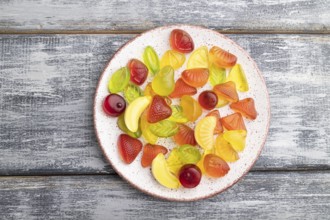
[202,28]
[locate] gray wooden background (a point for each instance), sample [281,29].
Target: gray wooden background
[51,56]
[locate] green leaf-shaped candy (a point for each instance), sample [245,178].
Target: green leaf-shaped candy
[177,114]
[189,154]
[132,92]
[151,60]
[122,126]
[119,80]
[163,83]
[174,163]
[217,75]
[164,128]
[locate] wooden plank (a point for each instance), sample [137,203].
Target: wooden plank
[39,16]
[47,85]
[283,195]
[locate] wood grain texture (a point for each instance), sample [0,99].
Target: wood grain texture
[47,85]
[301,16]
[302,195]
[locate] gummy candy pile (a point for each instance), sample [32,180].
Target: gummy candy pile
[205,145]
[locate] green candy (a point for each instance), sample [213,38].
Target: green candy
[151,60]
[177,114]
[132,92]
[119,80]
[164,128]
[122,126]
[217,75]
[163,83]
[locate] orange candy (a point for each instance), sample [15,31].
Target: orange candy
[185,135]
[218,128]
[245,107]
[197,77]
[226,91]
[222,58]
[233,122]
[215,166]
[181,88]
[150,151]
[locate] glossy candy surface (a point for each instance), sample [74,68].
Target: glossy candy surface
[181,41]
[164,128]
[177,114]
[218,127]
[190,176]
[222,58]
[224,150]
[114,105]
[138,71]
[122,126]
[226,91]
[132,92]
[185,135]
[217,75]
[215,166]
[162,174]
[208,99]
[119,80]
[236,138]
[191,109]
[163,83]
[204,132]
[195,77]
[151,60]
[233,122]
[128,148]
[150,151]
[158,110]
[172,58]
[181,88]
[245,107]
[199,58]
[237,75]
[147,135]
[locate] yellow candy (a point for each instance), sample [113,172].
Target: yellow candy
[237,75]
[172,58]
[200,164]
[146,133]
[199,58]
[236,138]
[162,173]
[163,83]
[224,150]
[191,108]
[204,132]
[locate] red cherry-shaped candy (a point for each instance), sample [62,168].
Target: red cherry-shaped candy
[208,99]
[114,105]
[190,175]
[138,70]
[181,41]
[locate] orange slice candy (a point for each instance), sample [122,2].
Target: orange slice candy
[197,77]
[185,135]
[222,58]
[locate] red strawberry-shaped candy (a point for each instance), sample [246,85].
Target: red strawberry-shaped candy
[245,107]
[128,148]
[233,122]
[138,70]
[181,41]
[185,135]
[181,88]
[197,77]
[222,58]
[158,110]
[226,91]
[150,151]
[218,128]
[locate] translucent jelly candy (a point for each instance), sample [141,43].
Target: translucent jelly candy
[148,90]
[181,41]
[177,114]
[164,128]
[119,80]
[185,135]
[128,148]
[222,58]
[233,122]
[162,173]
[150,151]
[200,163]
[122,126]
[163,83]
[190,176]
[221,102]
[195,77]
[199,58]
[172,58]
[181,88]
[138,70]
[245,107]
[215,166]
[237,75]
[134,111]
[218,128]
[208,99]
[114,105]
[224,150]
[204,132]
[217,75]
[132,92]
[145,128]
[236,138]
[151,60]
[226,91]
[158,110]
[191,109]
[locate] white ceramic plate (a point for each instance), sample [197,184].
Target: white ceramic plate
[107,131]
